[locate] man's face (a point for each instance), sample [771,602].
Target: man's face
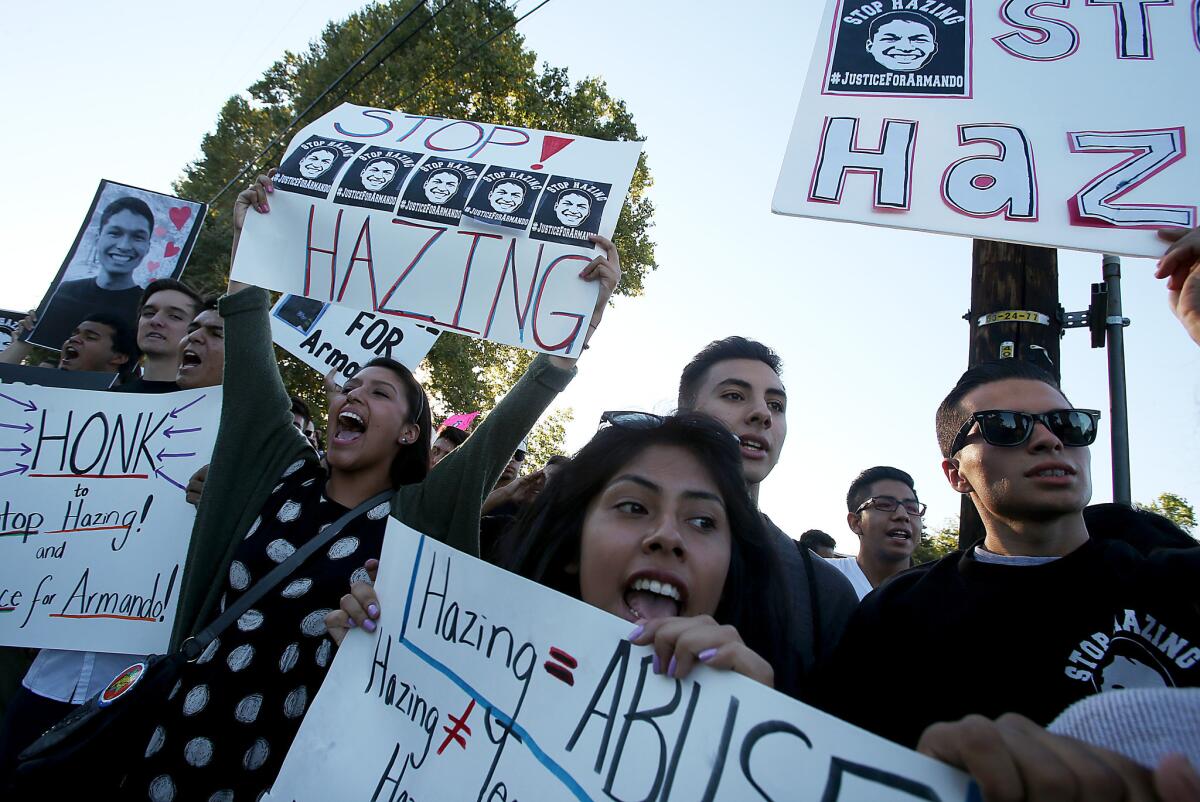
[163,322]
[90,347]
[124,241]
[316,163]
[507,196]
[887,536]
[306,428]
[512,469]
[202,352]
[440,187]
[572,208]
[903,45]
[378,174]
[440,449]
[747,396]
[1039,480]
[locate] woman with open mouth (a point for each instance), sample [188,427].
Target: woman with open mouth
[224,730]
[651,521]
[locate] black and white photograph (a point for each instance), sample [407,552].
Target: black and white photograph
[374,179]
[899,48]
[10,326]
[312,167]
[301,313]
[505,197]
[129,238]
[570,210]
[439,189]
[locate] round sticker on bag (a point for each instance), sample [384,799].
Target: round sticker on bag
[121,684]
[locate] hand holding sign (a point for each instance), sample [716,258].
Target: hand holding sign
[1180,266]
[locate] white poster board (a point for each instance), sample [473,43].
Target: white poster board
[94,527]
[479,684]
[474,228]
[329,337]
[1048,123]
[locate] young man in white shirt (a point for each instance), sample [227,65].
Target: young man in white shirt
[884,511]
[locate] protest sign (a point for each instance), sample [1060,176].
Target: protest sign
[94,527]
[129,238]
[10,326]
[479,684]
[462,421]
[474,228]
[52,377]
[1026,121]
[330,337]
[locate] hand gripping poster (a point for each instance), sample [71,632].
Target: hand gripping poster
[94,526]
[1047,123]
[470,227]
[479,684]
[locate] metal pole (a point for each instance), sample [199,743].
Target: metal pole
[1115,325]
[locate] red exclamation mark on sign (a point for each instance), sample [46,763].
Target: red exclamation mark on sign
[551,145]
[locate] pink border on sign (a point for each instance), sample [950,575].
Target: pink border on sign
[968,52]
[1077,218]
[1032,174]
[873,172]
[1007,21]
[1116,10]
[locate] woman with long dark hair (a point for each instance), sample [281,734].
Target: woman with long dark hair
[651,521]
[228,723]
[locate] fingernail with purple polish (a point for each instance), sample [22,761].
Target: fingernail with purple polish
[637,632]
[373,610]
[369,625]
[671,667]
[352,623]
[656,665]
[707,655]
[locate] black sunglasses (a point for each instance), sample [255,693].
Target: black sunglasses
[630,419]
[1004,427]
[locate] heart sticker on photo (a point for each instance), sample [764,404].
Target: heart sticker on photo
[153,266]
[171,250]
[159,231]
[179,216]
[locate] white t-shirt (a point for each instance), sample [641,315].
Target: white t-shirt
[849,567]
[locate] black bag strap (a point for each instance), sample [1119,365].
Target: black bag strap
[195,645]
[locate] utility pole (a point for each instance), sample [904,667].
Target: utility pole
[1014,314]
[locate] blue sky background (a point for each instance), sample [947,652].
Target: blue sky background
[868,320]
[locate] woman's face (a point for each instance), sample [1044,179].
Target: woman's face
[656,540]
[369,421]
[124,241]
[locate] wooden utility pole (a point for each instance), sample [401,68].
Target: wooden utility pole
[1021,280]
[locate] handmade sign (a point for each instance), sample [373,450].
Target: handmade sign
[1028,121]
[94,527]
[462,421]
[10,326]
[330,337]
[479,684]
[474,228]
[129,238]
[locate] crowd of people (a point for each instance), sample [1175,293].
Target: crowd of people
[1032,640]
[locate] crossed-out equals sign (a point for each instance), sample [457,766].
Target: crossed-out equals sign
[561,672]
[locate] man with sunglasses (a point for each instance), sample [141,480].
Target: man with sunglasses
[883,510]
[1033,618]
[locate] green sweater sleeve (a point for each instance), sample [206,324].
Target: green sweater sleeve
[446,506]
[256,441]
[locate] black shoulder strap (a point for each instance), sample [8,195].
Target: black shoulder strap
[814,598]
[192,647]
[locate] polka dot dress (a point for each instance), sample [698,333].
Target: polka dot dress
[231,718]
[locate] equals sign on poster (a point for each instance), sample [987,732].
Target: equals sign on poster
[560,665]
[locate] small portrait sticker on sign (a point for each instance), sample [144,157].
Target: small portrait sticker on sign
[570,210]
[439,190]
[312,167]
[505,197]
[374,179]
[905,48]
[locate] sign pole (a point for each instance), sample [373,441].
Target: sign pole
[1115,325]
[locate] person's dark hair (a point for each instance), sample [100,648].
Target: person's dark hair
[755,597]
[124,338]
[127,204]
[951,416]
[816,539]
[860,488]
[453,434]
[720,351]
[556,459]
[900,16]
[300,407]
[208,302]
[160,284]
[412,463]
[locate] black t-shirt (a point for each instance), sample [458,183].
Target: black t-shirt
[140,385]
[960,636]
[73,301]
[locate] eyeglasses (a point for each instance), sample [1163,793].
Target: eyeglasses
[1003,427]
[890,503]
[630,419]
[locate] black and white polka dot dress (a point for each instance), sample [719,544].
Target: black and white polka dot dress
[231,718]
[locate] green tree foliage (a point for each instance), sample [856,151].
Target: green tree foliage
[1176,508]
[937,543]
[439,72]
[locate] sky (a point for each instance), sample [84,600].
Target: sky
[868,320]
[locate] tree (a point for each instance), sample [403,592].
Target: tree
[437,72]
[1175,508]
[937,543]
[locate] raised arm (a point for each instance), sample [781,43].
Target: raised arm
[18,349]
